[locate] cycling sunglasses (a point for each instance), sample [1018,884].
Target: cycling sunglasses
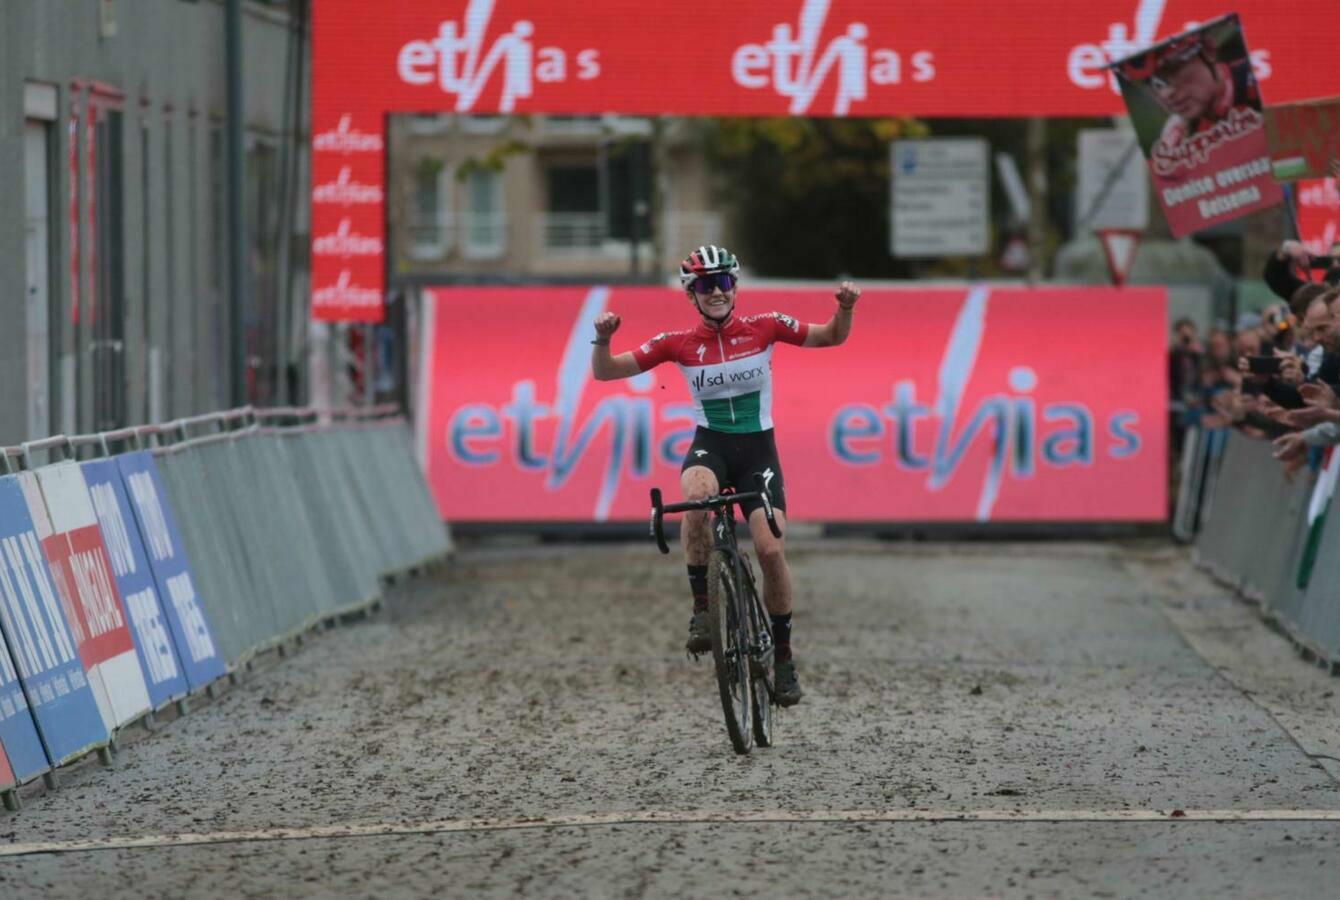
[704,284]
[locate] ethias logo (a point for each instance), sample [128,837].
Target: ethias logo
[1087,64]
[459,63]
[793,64]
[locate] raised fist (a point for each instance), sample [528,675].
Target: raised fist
[606,324]
[847,294]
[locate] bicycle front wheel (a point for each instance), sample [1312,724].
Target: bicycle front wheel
[730,649]
[761,668]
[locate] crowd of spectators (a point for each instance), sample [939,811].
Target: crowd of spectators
[1276,375]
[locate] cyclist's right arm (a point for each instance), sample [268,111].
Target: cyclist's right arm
[607,367]
[604,365]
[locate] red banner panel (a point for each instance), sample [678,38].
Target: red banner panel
[6,773]
[752,58]
[970,404]
[1319,214]
[1304,138]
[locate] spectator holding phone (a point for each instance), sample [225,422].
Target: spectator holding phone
[1316,317]
[1183,362]
[1216,383]
[1278,327]
[1292,266]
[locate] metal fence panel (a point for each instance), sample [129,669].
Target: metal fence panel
[334,512]
[207,531]
[1255,534]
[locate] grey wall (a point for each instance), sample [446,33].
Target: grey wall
[167,60]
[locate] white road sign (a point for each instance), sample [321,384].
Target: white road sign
[1101,152]
[941,197]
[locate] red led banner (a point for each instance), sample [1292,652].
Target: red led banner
[1319,214]
[753,57]
[947,404]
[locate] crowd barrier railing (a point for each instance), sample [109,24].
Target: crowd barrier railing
[139,567]
[1270,538]
[1202,453]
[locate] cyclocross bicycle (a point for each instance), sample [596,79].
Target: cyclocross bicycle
[742,648]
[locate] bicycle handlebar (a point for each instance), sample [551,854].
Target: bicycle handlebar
[659,509]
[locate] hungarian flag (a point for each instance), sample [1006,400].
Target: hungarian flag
[1317,509]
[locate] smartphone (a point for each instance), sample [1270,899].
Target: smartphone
[1324,262]
[1264,365]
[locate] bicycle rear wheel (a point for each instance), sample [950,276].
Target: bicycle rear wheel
[761,669]
[730,652]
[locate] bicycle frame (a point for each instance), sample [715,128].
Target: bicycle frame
[749,651]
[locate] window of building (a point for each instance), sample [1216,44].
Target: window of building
[148,405]
[107,304]
[599,205]
[262,178]
[483,124]
[167,367]
[485,229]
[43,335]
[429,210]
[429,123]
[220,326]
[584,126]
[629,166]
[573,219]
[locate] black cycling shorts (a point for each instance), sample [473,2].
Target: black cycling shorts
[734,458]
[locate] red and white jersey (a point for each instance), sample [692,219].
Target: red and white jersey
[729,370]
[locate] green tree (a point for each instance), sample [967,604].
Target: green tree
[808,197]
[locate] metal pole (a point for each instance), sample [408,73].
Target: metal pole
[369,364]
[237,223]
[288,148]
[1037,195]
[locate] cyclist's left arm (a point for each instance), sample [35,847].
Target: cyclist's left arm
[836,329]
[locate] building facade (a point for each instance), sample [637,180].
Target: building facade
[114,282]
[545,198]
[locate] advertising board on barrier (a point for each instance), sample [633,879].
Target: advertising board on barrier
[121,536]
[969,404]
[765,58]
[197,650]
[40,638]
[67,526]
[21,753]
[1196,106]
[7,778]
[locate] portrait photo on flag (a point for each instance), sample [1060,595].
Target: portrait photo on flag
[1196,106]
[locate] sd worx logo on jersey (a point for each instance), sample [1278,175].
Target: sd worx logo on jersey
[706,379]
[460,63]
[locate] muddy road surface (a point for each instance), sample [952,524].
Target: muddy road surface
[980,720]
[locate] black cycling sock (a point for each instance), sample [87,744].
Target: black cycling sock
[698,584]
[781,636]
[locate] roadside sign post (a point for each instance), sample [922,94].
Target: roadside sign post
[940,197]
[1119,246]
